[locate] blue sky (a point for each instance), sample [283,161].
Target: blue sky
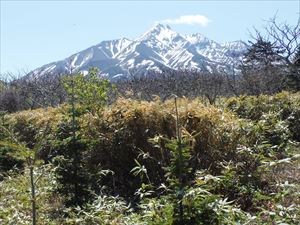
[34,33]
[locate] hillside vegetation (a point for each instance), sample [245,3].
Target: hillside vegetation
[133,162]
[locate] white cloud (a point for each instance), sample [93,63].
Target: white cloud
[189,19]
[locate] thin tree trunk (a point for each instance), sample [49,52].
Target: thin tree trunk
[33,197]
[179,142]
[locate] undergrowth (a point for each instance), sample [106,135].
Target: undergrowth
[240,163]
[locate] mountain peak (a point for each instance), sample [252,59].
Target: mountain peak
[160,26]
[160,32]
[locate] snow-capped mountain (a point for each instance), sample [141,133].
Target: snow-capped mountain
[158,49]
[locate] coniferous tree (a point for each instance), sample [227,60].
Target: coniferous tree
[86,94]
[262,53]
[263,67]
[179,172]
